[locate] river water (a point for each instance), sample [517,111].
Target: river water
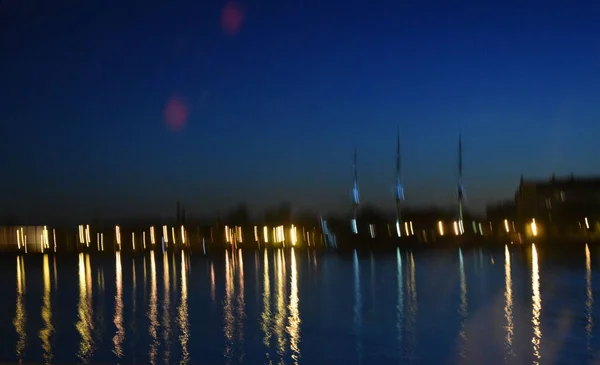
[517,306]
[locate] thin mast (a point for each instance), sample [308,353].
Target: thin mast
[460,186]
[399,189]
[355,194]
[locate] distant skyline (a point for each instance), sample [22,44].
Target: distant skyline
[122,108]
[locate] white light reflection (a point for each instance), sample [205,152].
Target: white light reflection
[266,316]
[20,319]
[412,309]
[537,305]
[294,317]
[463,311]
[119,336]
[372,279]
[400,300]
[153,312]
[48,330]
[508,305]
[184,335]
[589,302]
[357,308]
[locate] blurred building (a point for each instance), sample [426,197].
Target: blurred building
[564,203]
[500,211]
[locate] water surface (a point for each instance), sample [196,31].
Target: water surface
[515,305]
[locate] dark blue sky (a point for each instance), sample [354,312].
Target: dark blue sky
[275,111]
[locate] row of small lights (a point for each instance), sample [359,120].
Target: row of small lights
[44,241]
[84,237]
[532,225]
[234,235]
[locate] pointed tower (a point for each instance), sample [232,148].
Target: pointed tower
[399,191]
[355,195]
[460,188]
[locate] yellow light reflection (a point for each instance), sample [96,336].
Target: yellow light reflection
[84,310]
[294,318]
[266,316]
[508,303]
[153,312]
[536,299]
[266,234]
[119,336]
[20,320]
[183,314]
[134,292]
[506,226]
[441,228]
[241,315]
[166,313]
[534,228]
[589,302]
[48,329]
[455,225]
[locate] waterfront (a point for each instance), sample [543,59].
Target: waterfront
[518,305]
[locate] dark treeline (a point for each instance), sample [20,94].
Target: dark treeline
[241,215]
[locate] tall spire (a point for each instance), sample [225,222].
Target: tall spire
[399,193]
[459,155]
[460,186]
[398,154]
[355,194]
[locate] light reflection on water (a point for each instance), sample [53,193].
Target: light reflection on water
[463,309]
[277,316]
[48,329]
[536,299]
[153,312]
[118,321]
[20,319]
[589,301]
[508,306]
[84,324]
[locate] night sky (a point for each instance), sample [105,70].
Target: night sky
[268,99]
